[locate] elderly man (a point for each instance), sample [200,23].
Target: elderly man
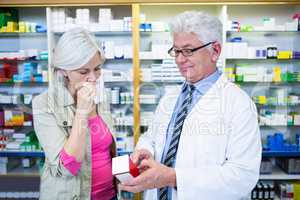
[204,142]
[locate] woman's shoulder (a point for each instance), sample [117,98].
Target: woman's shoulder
[40,101]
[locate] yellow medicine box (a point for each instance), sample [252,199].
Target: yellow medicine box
[284,54]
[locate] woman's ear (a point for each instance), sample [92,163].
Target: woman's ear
[64,73]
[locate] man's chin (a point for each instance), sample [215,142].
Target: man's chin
[189,79]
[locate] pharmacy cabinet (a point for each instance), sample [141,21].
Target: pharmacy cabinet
[23,74]
[262,57]
[159,71]
[260,53]
[111,26]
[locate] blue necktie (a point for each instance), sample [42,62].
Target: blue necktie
[172,151]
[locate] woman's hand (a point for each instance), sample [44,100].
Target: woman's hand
[86,93]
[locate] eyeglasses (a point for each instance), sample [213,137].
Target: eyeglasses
[185,52]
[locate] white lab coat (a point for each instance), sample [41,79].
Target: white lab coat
[219,152]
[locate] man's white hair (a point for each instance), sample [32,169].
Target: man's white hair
[207,27]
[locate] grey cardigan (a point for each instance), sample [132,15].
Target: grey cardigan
[52,122]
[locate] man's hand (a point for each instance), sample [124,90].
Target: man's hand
[139,155]
[156,175]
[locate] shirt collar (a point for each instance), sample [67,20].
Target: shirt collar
[203,85]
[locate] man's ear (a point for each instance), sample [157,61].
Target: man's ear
[216,47]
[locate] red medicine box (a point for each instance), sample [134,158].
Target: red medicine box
[124,169]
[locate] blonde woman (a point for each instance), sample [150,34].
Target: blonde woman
[74,131]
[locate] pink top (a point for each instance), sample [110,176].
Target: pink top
[102,178]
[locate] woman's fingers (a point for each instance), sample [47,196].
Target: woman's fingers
[79,85]
[86,89]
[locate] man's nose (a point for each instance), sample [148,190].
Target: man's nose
[180,58]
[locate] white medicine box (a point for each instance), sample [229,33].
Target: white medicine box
[124,169]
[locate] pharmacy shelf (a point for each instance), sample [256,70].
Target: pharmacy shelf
[38,154]
[16,126]
[150,32]
[156,58]
[128,125]
[28,84]
[119,82]
[265,32]
[162,82]
[121,153]
[281,154]
[17,34]
[256,59]
[268,83]
[105,33]
[145,82]
[131,104]
[117,59]
[25,172]
[279,174]
[20,104]
[22,60]
[279,126]
[277,106]
[118,33]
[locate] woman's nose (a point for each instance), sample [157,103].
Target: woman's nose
[92,77]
